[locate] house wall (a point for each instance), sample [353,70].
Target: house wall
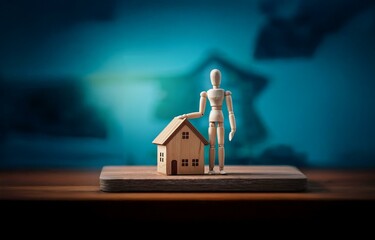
[161,160]
[192,148]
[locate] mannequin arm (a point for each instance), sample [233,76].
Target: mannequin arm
[232,119]
[202,108]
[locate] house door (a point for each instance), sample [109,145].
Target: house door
[174,167]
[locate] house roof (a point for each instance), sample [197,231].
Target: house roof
[214,59]
[172,128]
[259,81]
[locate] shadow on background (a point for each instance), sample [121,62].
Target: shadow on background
[301,74]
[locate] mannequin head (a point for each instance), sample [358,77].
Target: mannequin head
[215,76]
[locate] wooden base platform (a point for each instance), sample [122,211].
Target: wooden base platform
[237,179]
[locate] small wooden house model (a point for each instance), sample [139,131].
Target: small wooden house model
[180,149]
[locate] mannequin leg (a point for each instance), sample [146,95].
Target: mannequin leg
[220,139]
[212,140]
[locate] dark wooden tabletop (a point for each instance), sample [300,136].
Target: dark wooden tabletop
[330,194]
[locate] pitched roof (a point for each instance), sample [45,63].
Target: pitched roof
[172,128]
[259,81]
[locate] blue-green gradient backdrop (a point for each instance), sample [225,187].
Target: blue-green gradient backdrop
[88,83]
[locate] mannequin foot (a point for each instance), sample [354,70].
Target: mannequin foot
[211,172]
[222,172]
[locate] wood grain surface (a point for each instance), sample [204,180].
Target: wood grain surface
[340,195]
[237,179]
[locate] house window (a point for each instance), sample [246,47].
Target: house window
[185,162]
[195,162]
[185,135]
[161,157]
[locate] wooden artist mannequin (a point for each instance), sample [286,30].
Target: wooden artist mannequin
[216,97]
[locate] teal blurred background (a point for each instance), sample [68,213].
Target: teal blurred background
[88,83]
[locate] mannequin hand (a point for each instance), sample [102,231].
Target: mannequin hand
[231,134]
[181,116]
